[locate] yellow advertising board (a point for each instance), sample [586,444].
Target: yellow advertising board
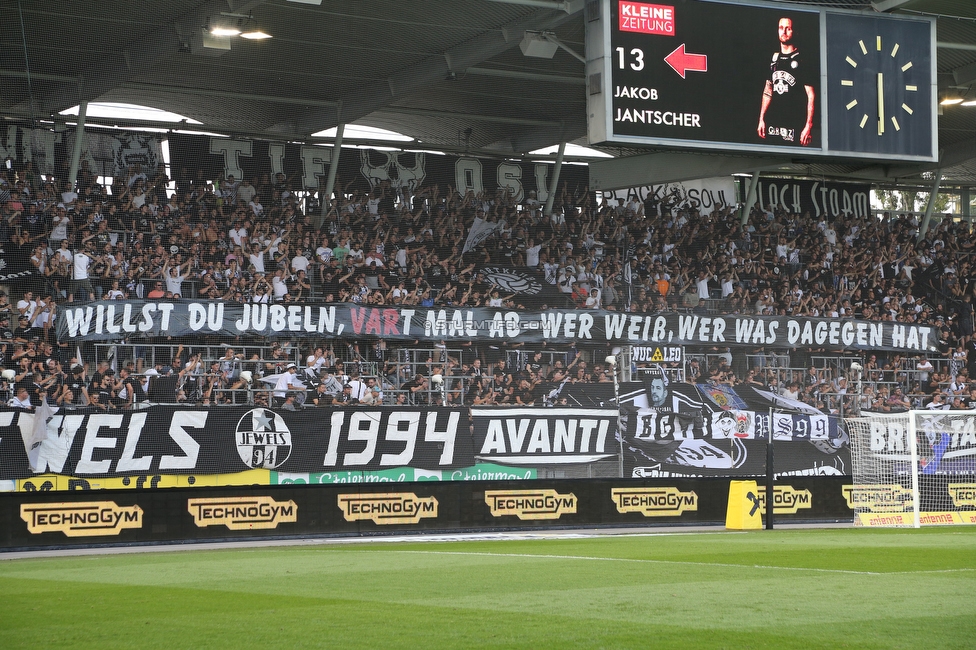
[530,505]
[878,498]
[786,500]
[963,494]
[654,501]
[80,519]
[242,513]
[387,508]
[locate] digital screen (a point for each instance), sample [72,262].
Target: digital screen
[762,78]
[702,71]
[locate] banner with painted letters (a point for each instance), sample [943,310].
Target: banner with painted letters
[167,440]
[429,443]
[818,198]
[704,194]
[306,166]
[106,154]
[544,436]
[122,319]
[690,436]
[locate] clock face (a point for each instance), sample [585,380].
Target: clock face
[879,80]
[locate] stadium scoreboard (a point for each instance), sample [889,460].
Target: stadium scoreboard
[713,74]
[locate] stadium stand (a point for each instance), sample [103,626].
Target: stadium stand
[253,241]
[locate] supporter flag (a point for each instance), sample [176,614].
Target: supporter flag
[480,231]
[39,433]
[528,284]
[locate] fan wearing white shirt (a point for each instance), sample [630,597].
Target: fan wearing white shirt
[257,256]
[81,262]
[279,284]
[299,262]
[532,254]
[287,381]
[314,362]
[26,306]
[358,387]
[173,277]
[238,235]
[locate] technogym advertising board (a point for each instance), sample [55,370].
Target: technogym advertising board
[114,517]
[762,77]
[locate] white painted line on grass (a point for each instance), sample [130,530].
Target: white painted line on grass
[639,561]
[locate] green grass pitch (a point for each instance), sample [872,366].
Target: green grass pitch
[833,588]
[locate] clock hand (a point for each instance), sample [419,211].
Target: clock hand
[880,104]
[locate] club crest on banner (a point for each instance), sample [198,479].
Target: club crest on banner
[133,149]
[512,280]
[263,439]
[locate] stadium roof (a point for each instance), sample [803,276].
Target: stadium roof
[448,73]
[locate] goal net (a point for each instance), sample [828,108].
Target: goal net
[912,469]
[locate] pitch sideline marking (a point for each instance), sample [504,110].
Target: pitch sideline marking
[679,562]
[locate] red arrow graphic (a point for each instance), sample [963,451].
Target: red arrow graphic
[683,62]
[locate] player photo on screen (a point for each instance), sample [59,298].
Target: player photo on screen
[789,98]
[711,73]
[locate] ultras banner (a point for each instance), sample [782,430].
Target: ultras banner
[705,194]
[174,440]
[677,429]
[123,319]
[106,154]
[732,443]
[363,169]
[428,442]
[546,436]
[818,198]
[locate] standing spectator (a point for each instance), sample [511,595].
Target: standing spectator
[288,381]
[82,285]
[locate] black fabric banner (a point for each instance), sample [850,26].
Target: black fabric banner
[105,154]
[307,166]
[120,319]
[546,436]
[819,198]
[175,440]
[678,429]
[657,442]
[732,443]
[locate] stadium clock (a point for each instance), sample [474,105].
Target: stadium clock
[880,85]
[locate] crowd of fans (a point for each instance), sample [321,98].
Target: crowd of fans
[258,240]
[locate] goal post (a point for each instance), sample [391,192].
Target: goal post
[913,469]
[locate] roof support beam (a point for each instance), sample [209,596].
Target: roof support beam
[930,207]
[210,92]
[966,47]
[40,75]
[950,156]
[528,76]
[324,103]
[965,75]
[137,58]
[569,6]
[431,70]
[496,119]
[554,181]
[637,171]
[888,5]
